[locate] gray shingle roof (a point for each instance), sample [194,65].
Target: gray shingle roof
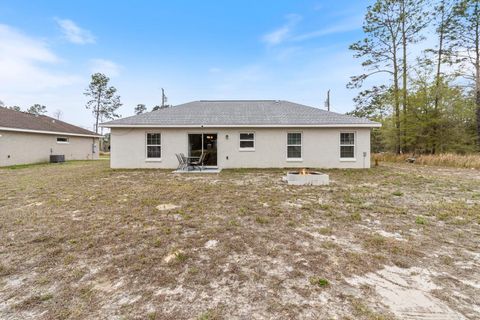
[240,113]
[18,121]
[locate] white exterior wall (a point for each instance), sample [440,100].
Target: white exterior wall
[22,148]
[320,147]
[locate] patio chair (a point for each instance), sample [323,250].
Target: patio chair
[182,163]
[186,163]
[198,163]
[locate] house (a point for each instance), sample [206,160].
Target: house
[28,138]
[242,134]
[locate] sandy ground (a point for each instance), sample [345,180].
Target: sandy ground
[80,240]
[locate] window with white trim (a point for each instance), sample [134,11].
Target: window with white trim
[294,145]
[62,140]
[247,141]
[154,146]
[347,145]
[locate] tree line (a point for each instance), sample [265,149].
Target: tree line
[36,109]
[430,99]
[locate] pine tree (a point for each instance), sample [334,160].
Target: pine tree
[413,19]
[443,14]
[140,108]
[380,51]
[464,35]
[104,101]
[37,109]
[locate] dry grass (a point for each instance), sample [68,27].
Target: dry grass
[446,159]
[79,240]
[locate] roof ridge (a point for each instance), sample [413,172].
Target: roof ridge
[240,100]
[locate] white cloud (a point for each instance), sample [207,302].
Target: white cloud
[286,34]
[26,63]
[15,44]
[339,28]
[74,33]
[281,34]
[109,68]
[32,73]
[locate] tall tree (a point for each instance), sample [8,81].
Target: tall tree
[140,108]
[104,101]
[380,50]
[37,109]
[465,36]
[413,19]
[443,14]
[57,114]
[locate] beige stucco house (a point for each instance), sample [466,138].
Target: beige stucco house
[241,134]
[27,138]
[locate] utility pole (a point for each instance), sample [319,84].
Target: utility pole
[327,102]
[164,99]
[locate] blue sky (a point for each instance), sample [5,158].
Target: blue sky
[292,50]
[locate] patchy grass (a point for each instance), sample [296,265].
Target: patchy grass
[210,315]
[80,240]
[320,282]
[362,311]
[420,220]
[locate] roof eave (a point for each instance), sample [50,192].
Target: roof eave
[337,125]
[50,132]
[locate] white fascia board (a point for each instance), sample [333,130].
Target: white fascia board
[363,125]
[50,132]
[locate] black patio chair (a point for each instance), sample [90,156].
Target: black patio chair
[198,163]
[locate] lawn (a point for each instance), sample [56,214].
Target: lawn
[79,240]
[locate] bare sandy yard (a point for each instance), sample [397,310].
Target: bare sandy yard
[80,240]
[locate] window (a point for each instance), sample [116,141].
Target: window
[294,145]
[347,145]
[154,146]
[247,141]
[62,140]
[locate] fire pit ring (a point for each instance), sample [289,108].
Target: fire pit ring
[305,177]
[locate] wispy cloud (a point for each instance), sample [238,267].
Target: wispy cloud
[109,68]
[28,64]
[286,32]
[346,26]
[281,34]
[74,33]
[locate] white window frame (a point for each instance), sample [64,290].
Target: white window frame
[153,145]
[240,141]
[63,142]
[295,145]
[354,145]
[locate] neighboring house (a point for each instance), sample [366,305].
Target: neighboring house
[242,134]
[28,138]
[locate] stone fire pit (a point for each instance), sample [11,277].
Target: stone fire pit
[304,177]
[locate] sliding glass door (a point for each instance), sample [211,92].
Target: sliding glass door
[199,143]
